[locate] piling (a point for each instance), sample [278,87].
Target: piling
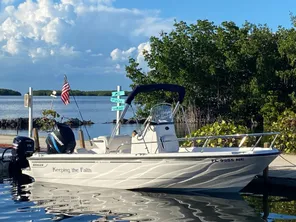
[265,205]
[36,140]
[81,139]
[194,143]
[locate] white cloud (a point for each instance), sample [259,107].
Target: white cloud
[10,10]
[150,26]
[39,52]
[12,46]
[122,55]
[140,56]
[6,2]
[58,34]
[68,51]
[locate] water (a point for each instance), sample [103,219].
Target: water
[26,201]
[94,108]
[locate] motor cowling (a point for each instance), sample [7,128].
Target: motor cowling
[61,140]
[23,147]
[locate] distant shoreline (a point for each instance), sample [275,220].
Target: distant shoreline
[9,92]
[74,93]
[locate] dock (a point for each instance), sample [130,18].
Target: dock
[282,171]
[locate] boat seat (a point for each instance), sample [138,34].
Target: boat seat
[119,143]
[170,143]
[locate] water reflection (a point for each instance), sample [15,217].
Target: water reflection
[63,201]
[22,200]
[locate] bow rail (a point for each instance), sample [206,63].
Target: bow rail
[208,138]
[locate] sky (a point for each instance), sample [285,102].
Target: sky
[91,40]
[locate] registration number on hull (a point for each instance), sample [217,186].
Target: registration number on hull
[227,160]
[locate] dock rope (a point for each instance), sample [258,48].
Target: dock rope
[293,164]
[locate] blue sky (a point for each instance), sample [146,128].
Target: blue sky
[91,40]
[272,12]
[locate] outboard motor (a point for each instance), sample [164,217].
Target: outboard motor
[61,140]
[23,147]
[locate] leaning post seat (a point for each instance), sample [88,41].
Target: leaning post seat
[103,146]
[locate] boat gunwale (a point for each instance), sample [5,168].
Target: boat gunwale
[148,156]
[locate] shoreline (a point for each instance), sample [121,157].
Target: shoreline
[38,122]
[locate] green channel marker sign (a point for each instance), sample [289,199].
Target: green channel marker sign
[116,100]
[118,93]
[117,108]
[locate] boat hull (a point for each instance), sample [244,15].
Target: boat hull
[185,172]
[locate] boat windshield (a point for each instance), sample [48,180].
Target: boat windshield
[161,113]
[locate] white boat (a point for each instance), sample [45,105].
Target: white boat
[154,159]
[105,204]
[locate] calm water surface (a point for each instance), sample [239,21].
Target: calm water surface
[94,108]
[53,202]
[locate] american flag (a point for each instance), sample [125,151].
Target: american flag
[65,96]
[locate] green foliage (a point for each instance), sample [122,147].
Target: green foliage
[245,73]
[227,70]
[218,128]
[286,125]
[278,205]
[272,107]
[48,120]
[9,92]
[42,92]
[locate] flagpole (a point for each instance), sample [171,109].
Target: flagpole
[30,112]
[66,79]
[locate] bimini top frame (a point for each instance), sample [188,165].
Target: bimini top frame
[156,87]
[150,88]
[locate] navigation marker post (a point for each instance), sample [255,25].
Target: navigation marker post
[116,99]
[28,102]
[53,95]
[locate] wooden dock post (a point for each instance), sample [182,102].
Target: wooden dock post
[265,205]
[81,139]
[265,171]
[36,140]
[265,176]
[194,143]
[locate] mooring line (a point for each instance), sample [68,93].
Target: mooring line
[288,161]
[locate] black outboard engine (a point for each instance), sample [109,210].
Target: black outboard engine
[23,147]
[61,140]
